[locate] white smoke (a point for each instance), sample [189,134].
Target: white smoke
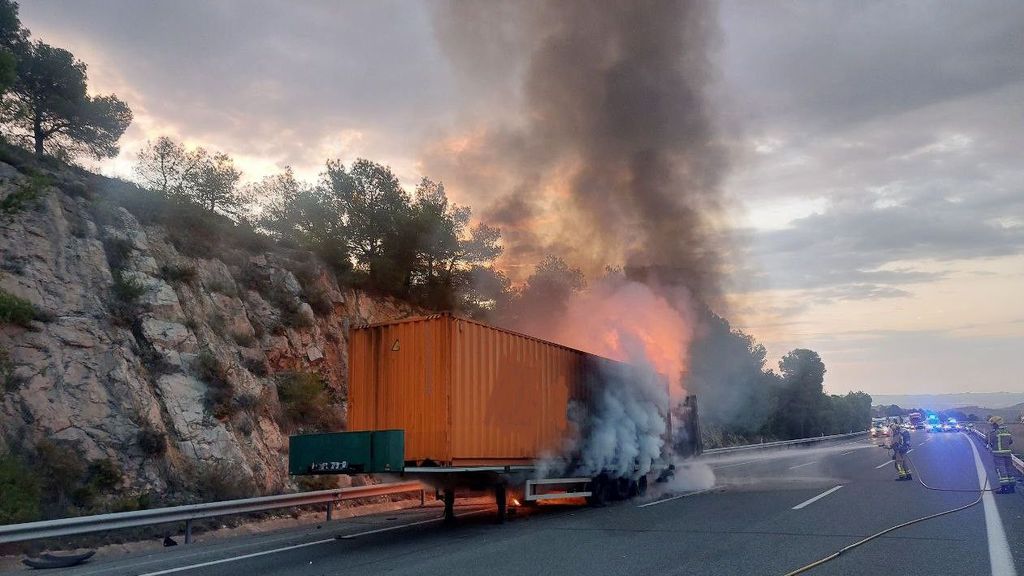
[624,430]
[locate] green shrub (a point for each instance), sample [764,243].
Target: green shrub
[118,251]
[292,317]
[15,310]
[181,274]
[29,189]
[319,300]
[222,287]
[151,358]
[9,382]
[60,467]
[151,441]
[20,491]
[257,366]
[13,266]
[305,402]
[77,189]
[318,482]
[221,481]
[128,503]
[16,156]
[105,474]
[243,338]
[128,288]
[126,292]
[220,392]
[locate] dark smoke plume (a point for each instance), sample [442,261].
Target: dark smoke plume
[608,148]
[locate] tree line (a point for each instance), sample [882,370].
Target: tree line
[358,219]
[742,399]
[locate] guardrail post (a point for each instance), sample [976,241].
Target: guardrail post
[330,509]
[188,531]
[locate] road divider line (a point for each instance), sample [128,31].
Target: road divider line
[999,557]
[849,452]
[303,545]
[807,503]
[886,463]
[234,558]
[676,497]
[802,465]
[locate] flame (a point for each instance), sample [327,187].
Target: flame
[629,322]
[515,502]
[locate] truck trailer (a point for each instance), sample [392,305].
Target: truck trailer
[458,404]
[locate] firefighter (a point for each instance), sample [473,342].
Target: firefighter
[1000,441]
[900,445]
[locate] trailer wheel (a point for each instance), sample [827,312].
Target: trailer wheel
[598,491]
[501,499]
[623,488]
[641,486]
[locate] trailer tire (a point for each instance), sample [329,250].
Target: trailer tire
[641,486]
[623,488]
[598,491]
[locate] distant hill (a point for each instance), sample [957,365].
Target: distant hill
[1009,414]
[979,400]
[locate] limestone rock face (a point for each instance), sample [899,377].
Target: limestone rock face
[97,372]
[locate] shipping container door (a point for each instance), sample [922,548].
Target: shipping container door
[407,386]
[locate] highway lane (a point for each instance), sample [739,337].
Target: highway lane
[768,514]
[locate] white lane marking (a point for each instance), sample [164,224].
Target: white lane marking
[845,453]
[806,503]
[883,464]
[733,465]
[234,558]
[998,548]
[802,465]
[295,546]
[676,497]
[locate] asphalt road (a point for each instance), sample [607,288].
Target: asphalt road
[768,513]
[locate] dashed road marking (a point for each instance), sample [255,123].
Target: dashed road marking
[234,558]
[734,465]
[802,465]
[807,503]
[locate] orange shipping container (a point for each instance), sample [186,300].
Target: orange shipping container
[465,393]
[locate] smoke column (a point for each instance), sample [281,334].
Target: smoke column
[604,150]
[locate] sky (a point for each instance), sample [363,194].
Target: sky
[875,182]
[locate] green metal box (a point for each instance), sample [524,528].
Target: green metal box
[346,452]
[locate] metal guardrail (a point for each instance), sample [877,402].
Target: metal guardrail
[86,524]
[781,443]
[1017,462]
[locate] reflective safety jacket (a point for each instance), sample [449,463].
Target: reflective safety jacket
[1003,441]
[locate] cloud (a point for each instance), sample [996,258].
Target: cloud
[276,80]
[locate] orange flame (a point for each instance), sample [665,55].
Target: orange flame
[624,320]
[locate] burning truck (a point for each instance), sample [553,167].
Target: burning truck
[458,404]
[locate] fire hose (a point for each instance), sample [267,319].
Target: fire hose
[841,551]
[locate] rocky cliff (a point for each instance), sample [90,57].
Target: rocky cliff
[161,362]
